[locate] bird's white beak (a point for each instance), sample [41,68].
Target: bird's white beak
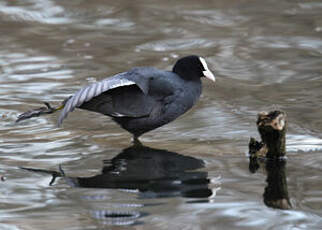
[207,73]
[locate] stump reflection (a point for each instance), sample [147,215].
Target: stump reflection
[276,193]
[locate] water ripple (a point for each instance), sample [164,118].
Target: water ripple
[303,143]
[265,57]
[42,11]
[176,44]
[215,17]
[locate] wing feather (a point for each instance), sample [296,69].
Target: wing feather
[88,92]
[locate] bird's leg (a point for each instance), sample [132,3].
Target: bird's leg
[136,141]
[54,174]
[40,111]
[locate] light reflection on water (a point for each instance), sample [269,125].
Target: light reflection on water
[265,57]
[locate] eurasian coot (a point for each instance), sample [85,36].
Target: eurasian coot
[141,99]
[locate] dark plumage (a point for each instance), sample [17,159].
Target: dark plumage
[143,98]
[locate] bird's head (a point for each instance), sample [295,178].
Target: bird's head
[193,67]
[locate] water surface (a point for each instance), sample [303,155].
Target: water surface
[194,173]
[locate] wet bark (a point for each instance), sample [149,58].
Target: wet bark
[272,129]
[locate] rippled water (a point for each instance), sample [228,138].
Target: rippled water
[194,175]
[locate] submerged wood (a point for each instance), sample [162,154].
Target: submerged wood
[271,151]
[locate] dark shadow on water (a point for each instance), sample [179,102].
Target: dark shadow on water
[155,173]
[276,192]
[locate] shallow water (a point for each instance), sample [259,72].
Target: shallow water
[195,174]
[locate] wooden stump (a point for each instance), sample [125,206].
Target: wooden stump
[272,150]
[272,129]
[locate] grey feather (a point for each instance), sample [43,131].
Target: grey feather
[87,93]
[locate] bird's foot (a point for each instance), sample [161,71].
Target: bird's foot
[40,111]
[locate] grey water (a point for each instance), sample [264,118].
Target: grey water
[192,173]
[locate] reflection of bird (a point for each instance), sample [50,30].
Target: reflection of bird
[154,172]
[143,98]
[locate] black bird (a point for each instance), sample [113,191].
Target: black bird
[143,98]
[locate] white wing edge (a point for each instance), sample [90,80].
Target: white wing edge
[88,92]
